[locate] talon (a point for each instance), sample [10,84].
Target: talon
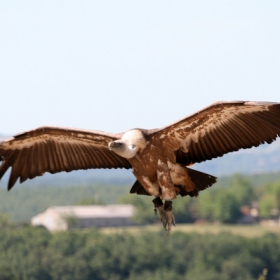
[165,212]
[162,216]
[159,206]
[170,220]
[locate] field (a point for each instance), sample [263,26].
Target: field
[250,231]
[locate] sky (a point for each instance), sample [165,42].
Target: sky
[116,65]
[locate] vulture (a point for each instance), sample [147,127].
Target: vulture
[159,158]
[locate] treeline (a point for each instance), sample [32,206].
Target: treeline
[223,203]
[34,253]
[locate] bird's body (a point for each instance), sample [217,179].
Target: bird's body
[158,157]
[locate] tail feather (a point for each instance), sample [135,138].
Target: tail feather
[138,188]
[201,181]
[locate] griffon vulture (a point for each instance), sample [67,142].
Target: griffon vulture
[159,158]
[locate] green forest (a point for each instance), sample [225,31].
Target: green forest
[28,252]
[34,253]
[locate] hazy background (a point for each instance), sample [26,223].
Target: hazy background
[115,65]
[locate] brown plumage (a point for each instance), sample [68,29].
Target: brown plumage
[158,157]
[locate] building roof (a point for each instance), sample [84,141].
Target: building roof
[92,211]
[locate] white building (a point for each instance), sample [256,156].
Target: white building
[63,217]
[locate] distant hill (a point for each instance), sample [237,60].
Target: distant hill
[262,159]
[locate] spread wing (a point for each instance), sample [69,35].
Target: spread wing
[221,128]
[54,149]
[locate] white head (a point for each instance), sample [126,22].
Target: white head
[132,141]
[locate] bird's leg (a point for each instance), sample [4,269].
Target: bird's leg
[168,193]
[170,220]
[160,207]
[165,212]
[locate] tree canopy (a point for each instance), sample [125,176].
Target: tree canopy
[34,253]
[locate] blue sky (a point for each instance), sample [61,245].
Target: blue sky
[115,65]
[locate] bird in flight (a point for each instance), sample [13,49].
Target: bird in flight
[159,158]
